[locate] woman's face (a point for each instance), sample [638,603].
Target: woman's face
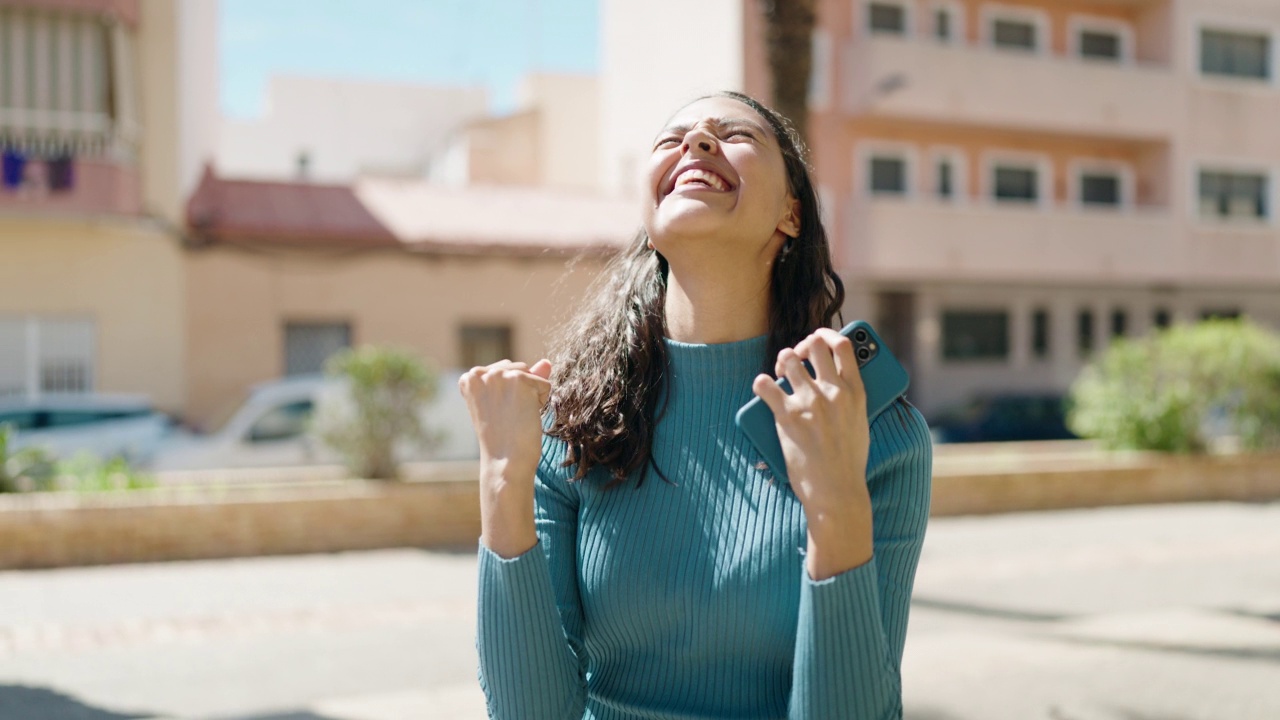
[716,173]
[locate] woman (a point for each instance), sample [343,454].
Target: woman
[710,590]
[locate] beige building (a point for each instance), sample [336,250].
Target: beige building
[106,114]
[1010,184]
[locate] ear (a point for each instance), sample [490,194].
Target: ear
[790,223]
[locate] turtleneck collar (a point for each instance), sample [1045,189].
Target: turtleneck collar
[703,362]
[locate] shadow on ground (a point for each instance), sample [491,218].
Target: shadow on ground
[22,702]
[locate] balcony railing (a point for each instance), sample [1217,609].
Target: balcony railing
[929,81]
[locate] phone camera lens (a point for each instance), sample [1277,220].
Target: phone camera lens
[860,336]
[863,353]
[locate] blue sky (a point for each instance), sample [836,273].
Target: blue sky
[489,42]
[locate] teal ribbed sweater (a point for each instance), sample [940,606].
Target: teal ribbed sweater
[689,600]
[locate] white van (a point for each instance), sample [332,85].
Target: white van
[270,429]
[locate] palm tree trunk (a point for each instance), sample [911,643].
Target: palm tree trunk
[789,36]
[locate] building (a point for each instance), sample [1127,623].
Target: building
[107,112]
[332,130]
[1009,184]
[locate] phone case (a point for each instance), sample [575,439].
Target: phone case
[883,376]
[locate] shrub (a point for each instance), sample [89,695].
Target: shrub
[1167,390]
[386,391]
[23,469]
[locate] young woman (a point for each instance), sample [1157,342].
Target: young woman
[636,559]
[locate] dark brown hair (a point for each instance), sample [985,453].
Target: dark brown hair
[609,366]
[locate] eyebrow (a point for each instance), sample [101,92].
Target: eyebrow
[721,122]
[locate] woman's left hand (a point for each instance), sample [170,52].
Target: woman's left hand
[826,439]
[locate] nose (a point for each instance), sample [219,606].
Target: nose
[698,137]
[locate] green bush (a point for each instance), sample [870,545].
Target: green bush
[33,469]
[381,412]
[1164,391]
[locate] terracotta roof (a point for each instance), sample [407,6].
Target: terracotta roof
[298,214]
[504,219]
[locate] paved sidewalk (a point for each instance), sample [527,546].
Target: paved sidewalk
[1144,613]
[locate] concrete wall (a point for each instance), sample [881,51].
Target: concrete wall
[238,302]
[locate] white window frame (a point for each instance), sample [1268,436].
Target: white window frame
[993,12]
[960,173]
[1237,25]
[1078,23]
[862,22]
[867,149]
[1078,167]
[1238,167]
[958,27]
[1044,176]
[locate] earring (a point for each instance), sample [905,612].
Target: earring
[786,249]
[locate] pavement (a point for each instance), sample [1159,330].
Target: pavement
[1140,613]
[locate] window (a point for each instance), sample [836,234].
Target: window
[1016,183]
[942,24]
[1119,323]
[485,344]
[1014,34]
[1162,318]
[1099,188]
[884,17]
[975,335]
[1233,54]
[888,175]
[1233,195]
[1040,333]
[1099,45]
[308,345]
[1084,331]
[946,183]
[63,351]
[282,423]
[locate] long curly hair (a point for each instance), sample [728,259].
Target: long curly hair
[610,363]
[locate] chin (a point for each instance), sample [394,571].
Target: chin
[684,220]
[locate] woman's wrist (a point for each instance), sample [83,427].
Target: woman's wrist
[840,538]
[506,509]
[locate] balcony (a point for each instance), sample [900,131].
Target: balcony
[902,239]
[105,179]
[927,81]
[1234,252]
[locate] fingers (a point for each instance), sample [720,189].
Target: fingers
[846,362]
[768,390]
[817,351]
[789,365]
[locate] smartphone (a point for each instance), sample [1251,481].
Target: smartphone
[883,376]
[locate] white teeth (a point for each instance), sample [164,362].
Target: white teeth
[695,175]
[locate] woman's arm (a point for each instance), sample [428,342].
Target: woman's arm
[529,630]
[853,626]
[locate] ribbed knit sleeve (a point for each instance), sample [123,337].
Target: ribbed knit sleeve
[529,630]
[852,627]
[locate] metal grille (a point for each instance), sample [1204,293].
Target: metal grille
[308,345]
[46,355]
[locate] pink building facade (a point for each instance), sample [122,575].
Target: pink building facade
[1011,185]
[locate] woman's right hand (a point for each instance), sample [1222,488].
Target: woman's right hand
[506,401]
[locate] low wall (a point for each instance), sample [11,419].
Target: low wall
[183,522]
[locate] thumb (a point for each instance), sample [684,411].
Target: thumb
[542,369]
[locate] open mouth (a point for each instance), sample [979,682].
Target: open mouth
[700,178]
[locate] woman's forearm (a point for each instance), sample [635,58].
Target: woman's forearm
[506,508]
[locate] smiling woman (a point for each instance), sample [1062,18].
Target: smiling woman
[717,591]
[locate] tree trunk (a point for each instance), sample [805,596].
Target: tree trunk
[789,36]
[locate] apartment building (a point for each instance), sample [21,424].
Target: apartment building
[1012,184]
[107,110]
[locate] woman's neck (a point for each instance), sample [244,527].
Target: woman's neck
[716,307]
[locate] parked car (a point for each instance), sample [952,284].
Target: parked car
[104,425]
[270,429]
[1004,418]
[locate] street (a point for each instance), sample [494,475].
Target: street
[1142,613]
